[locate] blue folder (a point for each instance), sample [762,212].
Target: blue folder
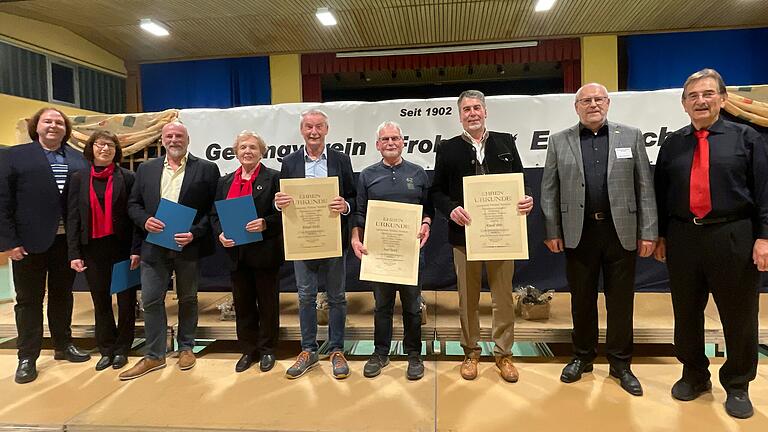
[123,277]
[235,214]
[177,219]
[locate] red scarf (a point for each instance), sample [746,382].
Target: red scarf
[101,220]
[242,187]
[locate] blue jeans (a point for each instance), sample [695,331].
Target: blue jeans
[155,278]
[308,273]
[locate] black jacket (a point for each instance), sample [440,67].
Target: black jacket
[339,165]
[79,214]
[30,202]
[455,160]
[197,191]
[268,253]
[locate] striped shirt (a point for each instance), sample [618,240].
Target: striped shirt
[58,161]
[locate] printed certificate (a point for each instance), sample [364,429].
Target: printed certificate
[391,238]
[497,230]
[310,229]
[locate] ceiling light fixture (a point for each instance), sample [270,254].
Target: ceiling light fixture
[544,5]
[437,50]
[500,70]
[153,27]
[325,16]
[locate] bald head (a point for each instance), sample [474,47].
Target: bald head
[175,139]
[591,86]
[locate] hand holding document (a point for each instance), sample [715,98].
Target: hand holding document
[392,241]
[177,219]
[234,215]
[311,230]
[497,231]
[123,277]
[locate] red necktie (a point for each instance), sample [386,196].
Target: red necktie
[700,198]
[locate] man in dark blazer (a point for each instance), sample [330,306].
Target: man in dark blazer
[711,183]
[477,151]
[183,178]
[316,160]
[34,179]
[599,207]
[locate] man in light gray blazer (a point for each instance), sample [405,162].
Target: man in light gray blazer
[599,207]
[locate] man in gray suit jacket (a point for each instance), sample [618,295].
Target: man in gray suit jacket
[599,207]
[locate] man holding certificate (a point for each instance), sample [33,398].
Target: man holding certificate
[393,180]
[181,179]
[598,203]
[478,151]
[314,160]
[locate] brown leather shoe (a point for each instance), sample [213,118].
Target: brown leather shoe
[186,360]
[507,370]
[469,368]
[143,367]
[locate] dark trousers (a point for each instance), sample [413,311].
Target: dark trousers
[99,256]
[29,277]
[600,250]
[384,294]
[718,259]
[256,296]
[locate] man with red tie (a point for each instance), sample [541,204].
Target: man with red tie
[711,185]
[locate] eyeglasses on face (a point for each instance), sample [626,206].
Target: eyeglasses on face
[390,138]
[600,100]
[102,144]
[707,95]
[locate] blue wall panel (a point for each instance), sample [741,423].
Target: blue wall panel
[660,61]
[221,83]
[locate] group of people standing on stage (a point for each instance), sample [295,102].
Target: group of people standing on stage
[704,212]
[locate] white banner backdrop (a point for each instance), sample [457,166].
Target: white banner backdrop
[425,122]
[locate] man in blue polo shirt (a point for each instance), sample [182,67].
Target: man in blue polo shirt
[393,179]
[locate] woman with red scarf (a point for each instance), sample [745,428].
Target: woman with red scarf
[254,266]
[99,234]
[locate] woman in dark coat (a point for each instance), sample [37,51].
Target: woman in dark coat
[254,266]
[100,234]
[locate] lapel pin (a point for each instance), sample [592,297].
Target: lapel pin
[258,187]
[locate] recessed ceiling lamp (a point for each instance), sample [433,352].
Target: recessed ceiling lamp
[153,27]
[325,16]
[544,5]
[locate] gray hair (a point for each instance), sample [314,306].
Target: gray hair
[250,134]
[312,111]
[387,124]
[705,73]
[471,94]
[602,87]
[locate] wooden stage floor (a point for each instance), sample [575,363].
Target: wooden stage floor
[211,397]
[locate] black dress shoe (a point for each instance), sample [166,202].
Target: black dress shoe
[103,363]
[26,372]
[738,405]
[267,362]
[628,381]
[119,361]
[685,391]
[244,363]
[72,354]
[573,370]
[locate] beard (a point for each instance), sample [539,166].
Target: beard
[176,152]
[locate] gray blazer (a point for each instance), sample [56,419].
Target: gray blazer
[630,187]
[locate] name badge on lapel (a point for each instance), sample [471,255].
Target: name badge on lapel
[623,153]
